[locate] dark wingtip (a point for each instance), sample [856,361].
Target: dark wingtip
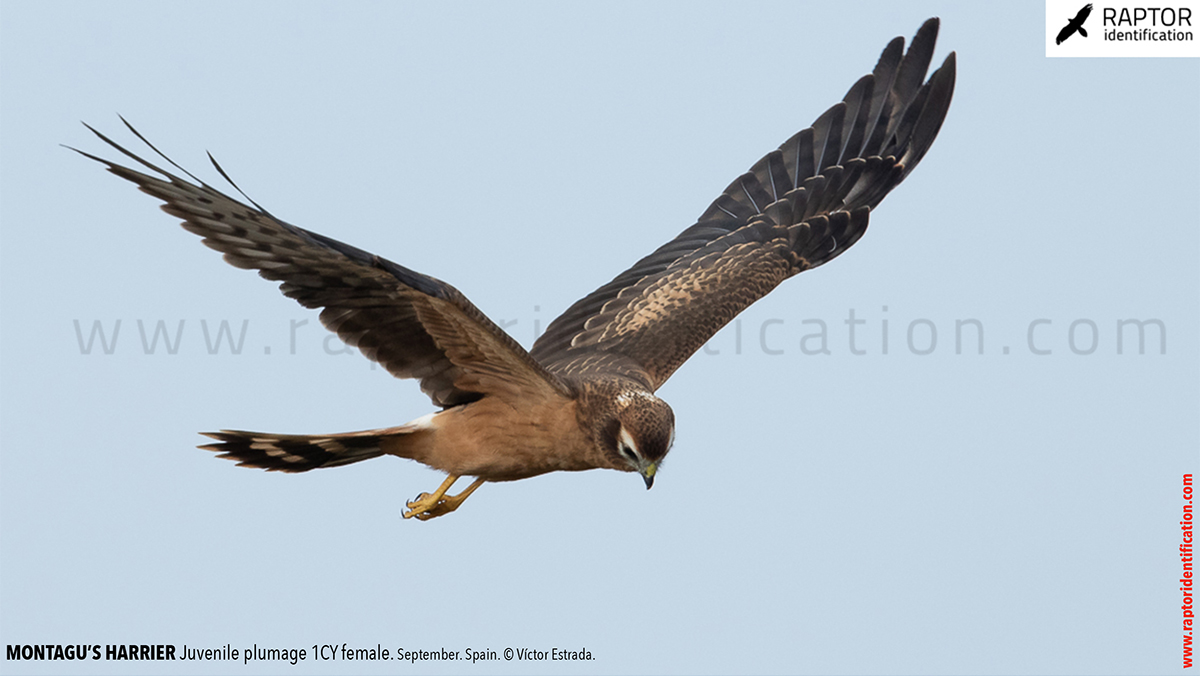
[927,33]
[950,64]
[225,176]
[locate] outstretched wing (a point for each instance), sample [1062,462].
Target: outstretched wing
[415,326]
[799,207]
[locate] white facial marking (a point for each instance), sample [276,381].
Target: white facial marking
[627,441]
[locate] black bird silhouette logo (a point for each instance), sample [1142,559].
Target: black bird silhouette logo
[1074,25]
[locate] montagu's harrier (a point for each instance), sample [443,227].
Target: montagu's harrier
[583,397]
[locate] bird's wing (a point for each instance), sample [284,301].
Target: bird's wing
[1066,32]
[415,326]
[799,207]
[1082,15]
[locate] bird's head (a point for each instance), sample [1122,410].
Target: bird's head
[638,434]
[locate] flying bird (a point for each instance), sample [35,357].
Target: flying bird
[583,396]
[1075,24]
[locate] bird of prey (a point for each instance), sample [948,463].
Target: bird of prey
[583,396]
[1075,24]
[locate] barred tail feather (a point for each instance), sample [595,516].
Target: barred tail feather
[300,452]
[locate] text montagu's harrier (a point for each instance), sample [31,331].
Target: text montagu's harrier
[583,396]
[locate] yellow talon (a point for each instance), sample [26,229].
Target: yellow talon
[427,506]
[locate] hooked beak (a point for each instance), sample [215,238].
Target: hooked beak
[647,471]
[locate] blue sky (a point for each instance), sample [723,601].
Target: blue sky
[949,512]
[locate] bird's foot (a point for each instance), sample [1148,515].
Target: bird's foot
[427,506]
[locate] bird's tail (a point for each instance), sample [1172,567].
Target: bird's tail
[302,452]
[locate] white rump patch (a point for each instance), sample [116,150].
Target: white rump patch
[425,422]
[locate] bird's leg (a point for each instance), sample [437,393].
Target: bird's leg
[427,506]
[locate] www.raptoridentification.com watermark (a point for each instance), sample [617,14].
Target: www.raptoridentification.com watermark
[854,333]
[1187,579]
